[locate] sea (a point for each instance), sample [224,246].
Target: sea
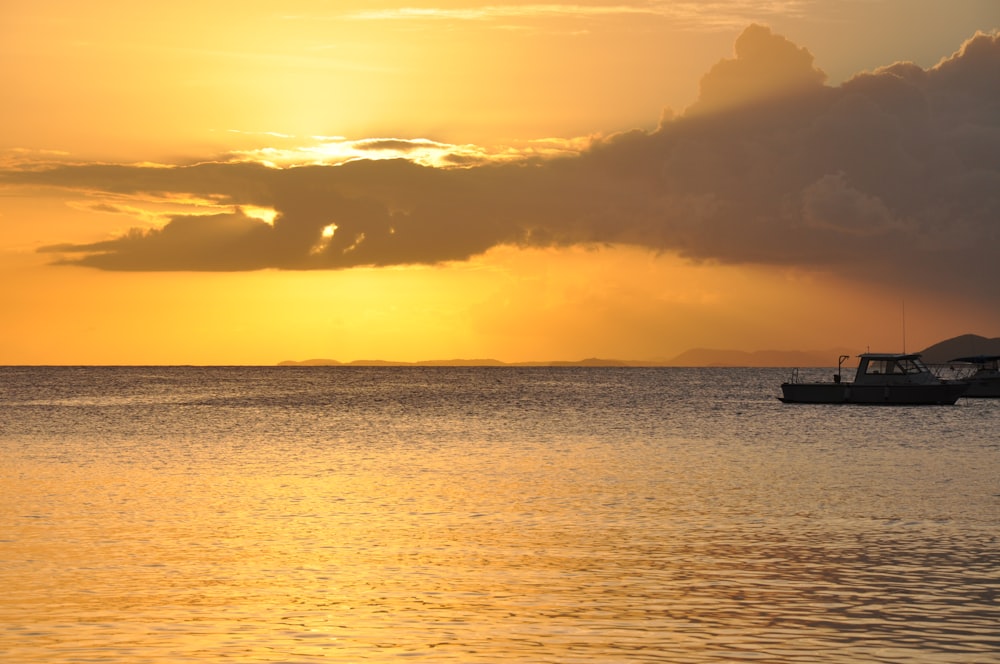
[488,514]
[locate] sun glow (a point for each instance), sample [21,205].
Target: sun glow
[290,151]
[326,236]
[265,214]
[216,190]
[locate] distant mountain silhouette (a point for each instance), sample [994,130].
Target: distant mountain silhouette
[961,346]
[707,357]
[390,363]
[700,357]
[590,362]
[939,353]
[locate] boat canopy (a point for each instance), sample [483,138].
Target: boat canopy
[890,356]
[977,359]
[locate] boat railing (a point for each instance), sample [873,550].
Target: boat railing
[951,371]
[818,373]
[840,366]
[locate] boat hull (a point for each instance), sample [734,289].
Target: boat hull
[983,388]
[891,395]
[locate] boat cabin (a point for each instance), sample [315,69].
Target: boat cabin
[888,368]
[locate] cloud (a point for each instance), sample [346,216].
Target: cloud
[494,12]
[766,67]
[721,14]
[226,242]
[832,204]
[893,176]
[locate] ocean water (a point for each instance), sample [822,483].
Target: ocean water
[318,514]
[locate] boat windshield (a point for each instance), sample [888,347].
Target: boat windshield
[896,367]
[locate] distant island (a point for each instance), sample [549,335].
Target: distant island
[966,345]
[940,353]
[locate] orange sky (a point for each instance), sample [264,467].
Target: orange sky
[243,183]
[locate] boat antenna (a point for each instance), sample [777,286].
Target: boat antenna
[904,324]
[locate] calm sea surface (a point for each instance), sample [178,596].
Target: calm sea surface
[292,514]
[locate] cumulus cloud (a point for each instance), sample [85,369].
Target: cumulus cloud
[766,67]
[892,176]
[832,204]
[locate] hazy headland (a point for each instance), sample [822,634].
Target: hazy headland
[939,353]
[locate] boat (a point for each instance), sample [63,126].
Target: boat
[984,379]
[882,378]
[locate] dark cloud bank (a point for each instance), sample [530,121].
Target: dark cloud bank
[893,176]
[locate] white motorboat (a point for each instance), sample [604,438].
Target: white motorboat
[984,379]
[881,378]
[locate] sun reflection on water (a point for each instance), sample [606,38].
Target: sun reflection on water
[643,543]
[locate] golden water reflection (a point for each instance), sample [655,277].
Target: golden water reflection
[566,554]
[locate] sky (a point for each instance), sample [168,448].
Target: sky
[257,181]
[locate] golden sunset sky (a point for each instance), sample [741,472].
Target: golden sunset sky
[221,182]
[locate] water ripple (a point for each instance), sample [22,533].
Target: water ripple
[262,515]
